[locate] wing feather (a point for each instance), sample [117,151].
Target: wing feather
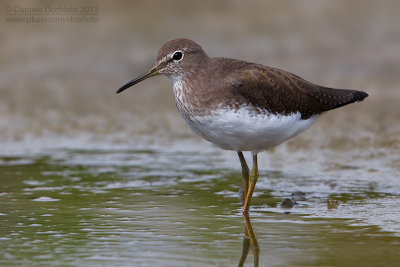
[281,92]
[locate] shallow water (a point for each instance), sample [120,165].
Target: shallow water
[157,207]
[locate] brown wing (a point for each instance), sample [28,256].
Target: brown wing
[282,92]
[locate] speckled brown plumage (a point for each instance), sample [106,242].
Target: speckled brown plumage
[234,83]
[281,92]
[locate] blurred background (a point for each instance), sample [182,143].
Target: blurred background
[89,177]
[58,79]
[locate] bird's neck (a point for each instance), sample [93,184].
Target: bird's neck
[180,87]
[187,102]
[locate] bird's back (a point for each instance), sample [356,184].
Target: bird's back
[277,91]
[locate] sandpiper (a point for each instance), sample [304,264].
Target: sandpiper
[242,106]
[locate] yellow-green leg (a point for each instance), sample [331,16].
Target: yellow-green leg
[252,185]
[248,185]
[245,182]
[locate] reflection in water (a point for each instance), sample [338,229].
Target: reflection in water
[103,207]
[249,242]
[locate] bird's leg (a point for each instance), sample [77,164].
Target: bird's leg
[245,182]
[252,185]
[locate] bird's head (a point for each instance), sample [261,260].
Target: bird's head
[176,58]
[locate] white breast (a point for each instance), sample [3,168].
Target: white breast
[242,130]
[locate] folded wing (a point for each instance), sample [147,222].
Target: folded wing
[281,92]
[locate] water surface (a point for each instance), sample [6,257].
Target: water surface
[152,207]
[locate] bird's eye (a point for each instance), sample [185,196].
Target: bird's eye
[178,55]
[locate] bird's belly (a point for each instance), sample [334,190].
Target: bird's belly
[245,130]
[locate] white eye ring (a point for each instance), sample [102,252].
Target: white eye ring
[177,56]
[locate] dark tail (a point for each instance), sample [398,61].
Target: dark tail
[359,96]
[349,96]
[330,98]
